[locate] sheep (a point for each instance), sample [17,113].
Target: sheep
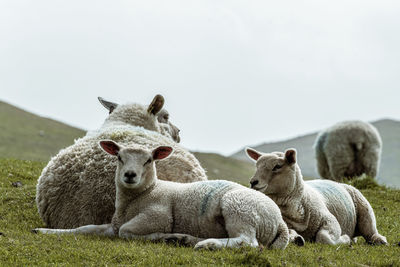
[77,185]
[347,150]
[206,214]
[321,211]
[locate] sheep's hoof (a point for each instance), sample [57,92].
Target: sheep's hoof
[210,244]
[35,231]
[377,239]
[299,241]
[177,240]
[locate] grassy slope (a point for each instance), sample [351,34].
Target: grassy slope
[20,138]
[220,167]
[18,247]
[27,136]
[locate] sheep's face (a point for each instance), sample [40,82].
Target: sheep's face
[136,168]
[167,126]
[275,173]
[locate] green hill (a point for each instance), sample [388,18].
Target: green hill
[24,135]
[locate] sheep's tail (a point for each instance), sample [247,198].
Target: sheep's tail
[282,237]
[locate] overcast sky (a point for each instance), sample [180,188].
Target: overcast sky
[233,73]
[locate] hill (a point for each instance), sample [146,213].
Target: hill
[24,135]
[389,169]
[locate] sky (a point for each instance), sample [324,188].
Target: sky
[233,73]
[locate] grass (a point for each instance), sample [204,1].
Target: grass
[20,247]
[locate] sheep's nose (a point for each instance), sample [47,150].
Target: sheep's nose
[130,174]
[253,183]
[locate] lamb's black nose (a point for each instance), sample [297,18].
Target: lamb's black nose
[130,174]
[253,183]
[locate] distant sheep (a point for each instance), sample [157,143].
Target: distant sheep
[347,150]
[319,210]
[77,185]
[206,214]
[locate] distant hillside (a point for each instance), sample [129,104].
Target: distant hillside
[389,172]
[24,135]
[220,167]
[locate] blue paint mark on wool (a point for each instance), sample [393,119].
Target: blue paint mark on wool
[333,192]
[213,187]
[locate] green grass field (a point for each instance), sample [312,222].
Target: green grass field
[20,247]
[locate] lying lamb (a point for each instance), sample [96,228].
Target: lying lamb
[320,210]
[348,149]
[77,185]
[207,214]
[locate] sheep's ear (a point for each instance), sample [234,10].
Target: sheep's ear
[108,105]
[156,105]
[290,156]
[162,152]
[110,147]
[252,153]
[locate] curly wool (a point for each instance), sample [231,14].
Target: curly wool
[77,185]
[347,150]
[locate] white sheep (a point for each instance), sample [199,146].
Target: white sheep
[347,150]
[77,185]
[207,214]
[319,210]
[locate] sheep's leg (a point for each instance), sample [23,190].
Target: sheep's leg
[216,243]
[325,236]
[142,224]
[181,239]
[103,229]
[295,238]
[366,223]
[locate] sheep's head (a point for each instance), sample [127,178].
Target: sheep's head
[152,117]
[136,168]
[276,172]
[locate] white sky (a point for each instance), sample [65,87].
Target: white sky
[233,73]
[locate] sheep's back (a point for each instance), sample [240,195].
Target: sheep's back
[339,203]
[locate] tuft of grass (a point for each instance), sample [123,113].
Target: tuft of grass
[364,182]
[20,247]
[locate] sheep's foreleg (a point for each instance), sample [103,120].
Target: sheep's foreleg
[103,229]
[181,239]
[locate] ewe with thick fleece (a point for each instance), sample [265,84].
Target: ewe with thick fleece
[320,210]
[77,185]
[348,149]
[207,214]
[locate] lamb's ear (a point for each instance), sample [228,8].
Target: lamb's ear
[162,152]
[290,156]
[108,105]
[156,105]
[110,147]
[252,153]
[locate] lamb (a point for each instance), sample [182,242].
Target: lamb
[206,214]
[321,211]
[77,185]
[347,150]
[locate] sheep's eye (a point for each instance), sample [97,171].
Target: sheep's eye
[119,158]
[276,167]
[147,162]
[166,117]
